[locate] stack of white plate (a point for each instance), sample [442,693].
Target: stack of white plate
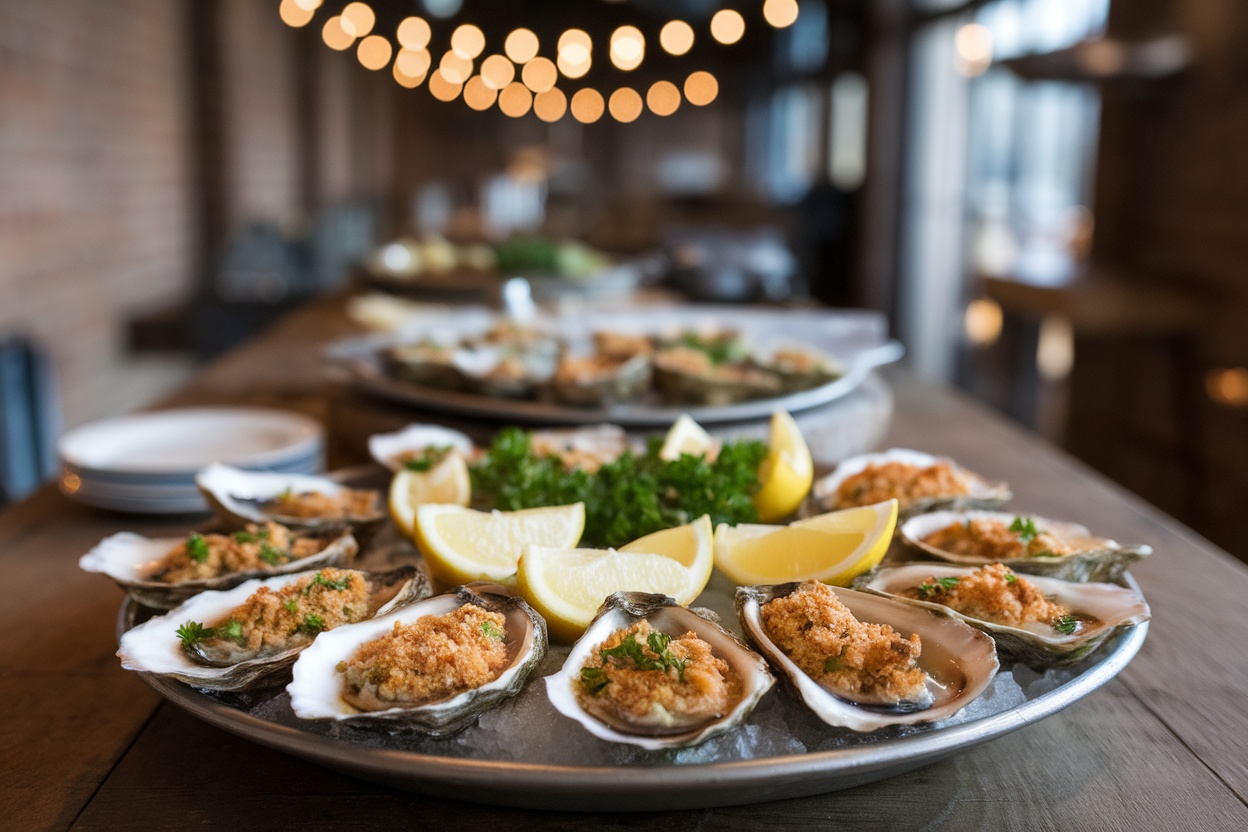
[146,463]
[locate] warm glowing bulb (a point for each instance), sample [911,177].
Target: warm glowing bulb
[983,321]
[571,70]
[442,88]
[414,33]
[405,80]
[625,105]
[676,37]
[972,49]
[335,36]
[575,46]
[550,105]
[515,99]
[456,68]
[539,74]
[478,95]
[358,19]
[521,46]
[413,63]
[1228,386]
[497,72]
[727,26]
[780,13]
[663,98]
[701,88]
[309,5]
[295,15]
[628,47]
[374,52]
[468,41]
[587,105]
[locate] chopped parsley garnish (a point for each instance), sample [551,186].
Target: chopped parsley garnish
[718,348]
[244,536]
[291,604]
[1066,625]
[427,458]
[312,624]
[272,555]
[197,547]
[630,649]
[192,632]
[233,630]
[491,631]
[594,679]
[1010,577]
[940,585]
[1025,528]
[321,580]
[836,662]
[628,497]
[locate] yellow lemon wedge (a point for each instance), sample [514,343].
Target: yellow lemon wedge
[785,476]
[462,545]
[686,436]
[447,482]
[568,585]
[834,548]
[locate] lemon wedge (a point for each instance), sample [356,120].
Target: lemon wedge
[686,436]
[785,476]
[568,585]
[447,482]
[462,545]
[834,548]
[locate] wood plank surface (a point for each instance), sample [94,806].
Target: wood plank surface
[88,746]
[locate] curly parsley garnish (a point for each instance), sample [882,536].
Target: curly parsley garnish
[1010,577]
[192,632]
[594,679]
[312,624]
[1066,625]
[321,580]
[233,631]
[1025,528]
[427,458]
[197,547]
[272,555]
[244,536]
[291,604]
[491,631]
[939,585]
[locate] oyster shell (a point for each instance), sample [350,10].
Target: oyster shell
[129,559]
[959,660]
[391,450]
[626,608]
[600,380]
[316,688]
[1103,560]
[500,371]
[240,497]
[1105,609]
[688,375]
[982,492]
[803,369]
[154,646]
[423,363]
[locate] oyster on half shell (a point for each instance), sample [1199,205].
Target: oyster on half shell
[391,450]
[958,660]
[316,689]
[130,559]
[154,645]
[973,492]
[1092,558]
[1103,610]
[240,497]
[661,729]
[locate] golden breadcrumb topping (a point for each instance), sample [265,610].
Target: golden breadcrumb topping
[990,593]
[856,660]
[991,539]
[622,346]
[645,676]
[433,658]
[252,549]
[347,503]
[906,483]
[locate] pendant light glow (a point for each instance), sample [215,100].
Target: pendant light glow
[539,74]
[701,88]
[414,33]
[374,52]
[625,105]
[521,46]
[335,36]
[478,95]
[441,88]
[515,100]
[587,105]
[550,105]
[468,41]
[676,37]
[727,26]
[663,98]
[780,13]
[358,19]
[497,72]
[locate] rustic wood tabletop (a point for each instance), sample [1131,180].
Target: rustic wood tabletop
[87,745]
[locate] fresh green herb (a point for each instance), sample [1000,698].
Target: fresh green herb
[244,536]
[192,632]
[630,649]
[594,679]
[272,555]
[197,547]
[1025,528]
[628,497]
[1066,625]
[321,580]
[312,624]
[1010,577]
[491,631]
[233,631]
[718,348]
[346,611]
[948,583]
[836,662]
[428,458]
[926,589]
[291,604]
[938,585]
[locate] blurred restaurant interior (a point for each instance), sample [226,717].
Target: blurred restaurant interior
[1047,198]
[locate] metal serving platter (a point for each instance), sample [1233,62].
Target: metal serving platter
[855,339]
[415,764]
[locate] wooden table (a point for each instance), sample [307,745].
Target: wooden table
[86,745]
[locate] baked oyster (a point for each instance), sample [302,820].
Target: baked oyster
[864,662]
[393,450]
[692,375]
[155,572]
[918,481]
[1035,620]
[1023,542]
[600,380]
[243,637]
[624,680]
[424,362]
[352,673]
[297,501]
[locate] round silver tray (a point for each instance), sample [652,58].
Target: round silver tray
[664,786]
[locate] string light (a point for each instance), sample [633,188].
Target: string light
[780,13]
[358,19]
[497,72]
[550,105]
[628,47]
[414,33]
[309,5]
[336,37]
[727,26]
[456,68]
[405,80]
[443,88]
[521,46]
[539,74]
[575,46]
[587,105]
[374,52]
[676,37]
[413,63]
[663,98]
[468,41]
[701,88]
[295,15]
[625,105]
[515,99]
[478,95]
[571,70]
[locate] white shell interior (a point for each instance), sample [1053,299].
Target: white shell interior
[241,492]
[127,556]
[920,526]
[960,662]
[757,680]
[316,687]
[386,447]
[828,485]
